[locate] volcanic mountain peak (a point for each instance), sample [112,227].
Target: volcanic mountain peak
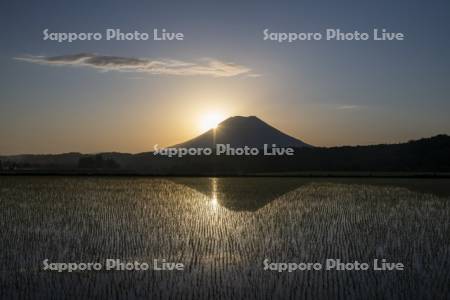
[239,131]
[241,119]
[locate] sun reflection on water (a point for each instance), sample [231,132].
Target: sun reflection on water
[214,200]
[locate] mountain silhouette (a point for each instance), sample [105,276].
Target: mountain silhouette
[241,131]
[423,157]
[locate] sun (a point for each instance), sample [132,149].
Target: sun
[210,121]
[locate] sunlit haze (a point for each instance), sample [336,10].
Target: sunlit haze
[210,120]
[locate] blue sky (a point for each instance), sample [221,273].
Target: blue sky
[324,92]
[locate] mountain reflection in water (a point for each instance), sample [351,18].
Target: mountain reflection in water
[253,193]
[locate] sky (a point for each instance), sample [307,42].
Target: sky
[100,96]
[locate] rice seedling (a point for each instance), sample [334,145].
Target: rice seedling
[221,229]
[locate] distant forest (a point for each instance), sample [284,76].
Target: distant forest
[424,155]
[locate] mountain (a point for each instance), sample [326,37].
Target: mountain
[427,155]
[243,131]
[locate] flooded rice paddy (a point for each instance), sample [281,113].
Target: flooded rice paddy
[221,230]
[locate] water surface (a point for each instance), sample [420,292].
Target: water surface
[222,229]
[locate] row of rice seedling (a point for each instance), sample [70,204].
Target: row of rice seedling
[70,219]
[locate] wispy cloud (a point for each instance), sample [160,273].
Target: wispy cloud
[349,107]
[202,67]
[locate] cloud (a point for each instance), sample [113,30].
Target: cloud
[203,67]
[349,107]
